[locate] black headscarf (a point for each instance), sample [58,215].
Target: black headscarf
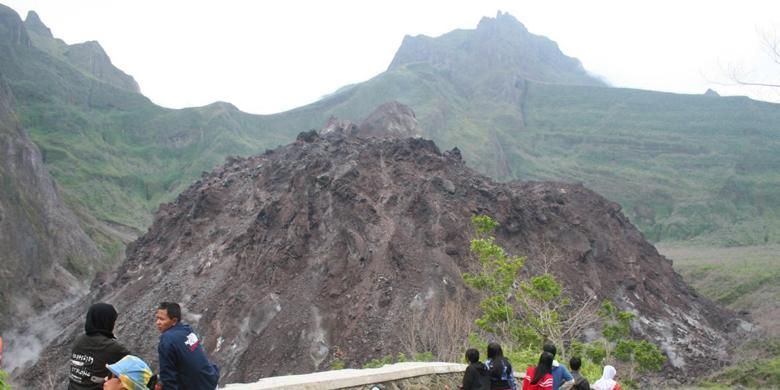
[100,320]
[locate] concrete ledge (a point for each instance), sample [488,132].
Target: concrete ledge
[338,379]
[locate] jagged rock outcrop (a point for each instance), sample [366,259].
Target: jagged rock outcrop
[13,32]
[34,23]
[91,58]
[711,92]
[325,248]
[390,120]
[43,250]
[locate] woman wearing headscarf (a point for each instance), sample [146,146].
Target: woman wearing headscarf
[607,381]
[96,348]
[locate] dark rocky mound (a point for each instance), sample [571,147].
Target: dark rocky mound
[325,248]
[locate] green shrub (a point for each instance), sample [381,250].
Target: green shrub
[4,381]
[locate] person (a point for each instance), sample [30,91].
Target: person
[183,362]
[580,382]
[129,373]
[95,348]
[499,368]
[561,376]
[539,377]
[476,375]
[607,381]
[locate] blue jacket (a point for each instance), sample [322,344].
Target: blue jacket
[560,375]
[183,362]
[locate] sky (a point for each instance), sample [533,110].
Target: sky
[271,56]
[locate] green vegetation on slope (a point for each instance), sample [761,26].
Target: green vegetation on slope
[682,166]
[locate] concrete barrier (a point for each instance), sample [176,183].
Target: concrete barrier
[426,373]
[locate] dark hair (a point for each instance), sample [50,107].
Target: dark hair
[472,355]
[494,351]
[543,368]
[173,309]
[575,363]
[498,362]
[549,347]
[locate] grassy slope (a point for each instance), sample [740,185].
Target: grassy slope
[682,166]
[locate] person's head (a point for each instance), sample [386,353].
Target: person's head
[101,318]
[609,372]
[472,355]
[549,347]
[494,351]
[129,373]
[575,363]
[168,315]
[543,368]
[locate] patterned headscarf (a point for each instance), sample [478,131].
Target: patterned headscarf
[132,372]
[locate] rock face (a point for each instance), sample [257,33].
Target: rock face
[325,248]
[41,242]
[390,120]
[34,23]
[13,32]
[91,58]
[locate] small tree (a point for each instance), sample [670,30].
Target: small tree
[495,279]
[524,313]
[4,381]
[640,355]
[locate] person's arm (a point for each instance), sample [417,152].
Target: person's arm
[566,379]
[617,386]
[167,356]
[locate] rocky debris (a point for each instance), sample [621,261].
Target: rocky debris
[325,248]
[390,120]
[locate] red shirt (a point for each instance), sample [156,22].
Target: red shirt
[546,383]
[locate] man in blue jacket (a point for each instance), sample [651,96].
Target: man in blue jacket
[561,376]
[183,362]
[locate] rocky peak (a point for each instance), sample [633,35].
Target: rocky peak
[90,57]
[33,23]
[12,30]
[711,92]
[495,59]
[503,24]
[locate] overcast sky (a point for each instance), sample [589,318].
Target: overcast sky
[271,56]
